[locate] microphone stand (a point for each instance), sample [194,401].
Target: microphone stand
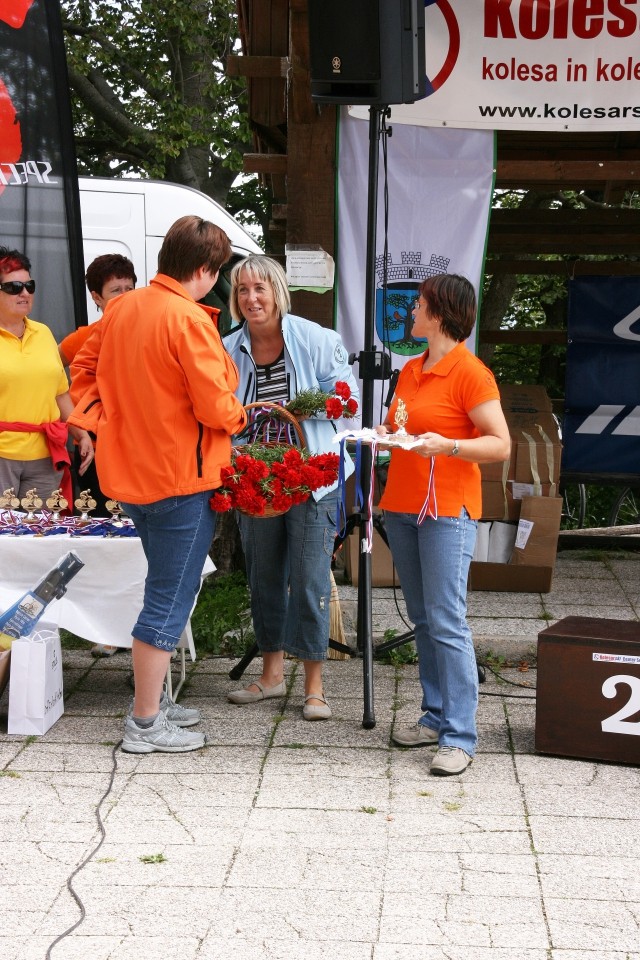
[373,365]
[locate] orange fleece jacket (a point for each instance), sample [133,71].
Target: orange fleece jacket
[157,388]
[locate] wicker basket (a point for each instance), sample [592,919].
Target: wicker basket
[276,413]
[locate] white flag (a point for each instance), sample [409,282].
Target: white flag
[439,186]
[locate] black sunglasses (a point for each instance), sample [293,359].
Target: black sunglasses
[14,287]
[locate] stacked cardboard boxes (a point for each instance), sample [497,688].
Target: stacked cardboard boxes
[518,535]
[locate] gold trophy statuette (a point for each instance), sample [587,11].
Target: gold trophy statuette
[56,502]
[8,500]
[31,502]
[85,503]
[115,509]
[400,418]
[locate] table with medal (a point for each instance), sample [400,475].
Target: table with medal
[104,600]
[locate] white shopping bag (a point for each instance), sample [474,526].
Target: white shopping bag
[35,686]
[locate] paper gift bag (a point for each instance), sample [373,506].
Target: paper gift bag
[5,660]
[35,686]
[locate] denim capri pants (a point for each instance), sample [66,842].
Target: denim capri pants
[288,562]
[176,535]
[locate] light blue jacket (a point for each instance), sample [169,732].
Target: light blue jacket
[314,357]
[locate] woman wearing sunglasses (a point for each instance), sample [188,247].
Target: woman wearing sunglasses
[34,393]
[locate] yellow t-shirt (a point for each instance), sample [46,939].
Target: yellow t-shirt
[31,377]
[438,401]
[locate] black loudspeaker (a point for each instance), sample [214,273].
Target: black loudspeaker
[367,51]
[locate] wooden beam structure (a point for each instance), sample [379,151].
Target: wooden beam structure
[294,154]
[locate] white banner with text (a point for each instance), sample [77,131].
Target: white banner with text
[439,187]
[529,65]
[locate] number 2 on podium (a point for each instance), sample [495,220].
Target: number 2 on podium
[617,722]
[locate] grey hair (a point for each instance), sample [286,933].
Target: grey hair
[262,268]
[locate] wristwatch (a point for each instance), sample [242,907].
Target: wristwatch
[456,449]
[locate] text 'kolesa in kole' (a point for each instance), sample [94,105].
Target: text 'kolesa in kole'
[602,71]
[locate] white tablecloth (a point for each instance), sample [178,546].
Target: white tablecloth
[102,601]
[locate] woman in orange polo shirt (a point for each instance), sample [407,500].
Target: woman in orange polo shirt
[108,276]
[432,503]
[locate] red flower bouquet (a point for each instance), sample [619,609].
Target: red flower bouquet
[267,479]
[308,403]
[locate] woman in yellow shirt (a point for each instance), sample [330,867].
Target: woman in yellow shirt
[34,394]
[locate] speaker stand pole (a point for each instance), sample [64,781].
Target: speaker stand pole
[367,369]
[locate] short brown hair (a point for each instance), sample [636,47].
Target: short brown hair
[191,243]
[105,267]
[452,299]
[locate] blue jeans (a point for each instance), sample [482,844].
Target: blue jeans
[432,561]
[176,534]
[289,572]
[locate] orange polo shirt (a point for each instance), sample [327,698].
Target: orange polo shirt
[439,402]
[76,340]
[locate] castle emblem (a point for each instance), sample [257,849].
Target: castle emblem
[394,303]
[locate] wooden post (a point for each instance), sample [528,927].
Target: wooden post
[311,168]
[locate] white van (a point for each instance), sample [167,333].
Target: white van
[131,217]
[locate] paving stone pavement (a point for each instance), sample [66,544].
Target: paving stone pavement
[288,840]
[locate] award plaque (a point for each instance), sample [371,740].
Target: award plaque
[400,418]
[30,503]
[115,509]
[8,500]
[85,503]
[55,503]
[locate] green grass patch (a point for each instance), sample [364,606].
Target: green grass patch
[221,621]
[69,641]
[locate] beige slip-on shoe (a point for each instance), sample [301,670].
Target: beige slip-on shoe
[253,696]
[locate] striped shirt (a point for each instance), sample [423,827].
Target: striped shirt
[272,386]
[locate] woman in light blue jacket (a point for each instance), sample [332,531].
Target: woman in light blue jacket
[288,558]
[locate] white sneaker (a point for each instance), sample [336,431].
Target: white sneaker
[163,736]
[449,761]
[176,713]
[416,736]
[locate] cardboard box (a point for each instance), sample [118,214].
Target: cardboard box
[530,569]
[499,471]
[504,578]
[537,546]
[533,468]
[503,502]
[382,568]
[527,399]
[536,453]
[498,502]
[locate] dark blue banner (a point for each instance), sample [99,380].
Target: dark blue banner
[39,200]
[601,429]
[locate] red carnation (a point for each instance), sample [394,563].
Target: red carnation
[221,502]
[333,407]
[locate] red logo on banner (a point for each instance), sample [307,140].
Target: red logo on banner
[453,50]
[13,13]
[10,137]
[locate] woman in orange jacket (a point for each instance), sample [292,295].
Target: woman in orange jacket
[158,389]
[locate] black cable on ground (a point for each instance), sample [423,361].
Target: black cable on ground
[500,676]
[89,856]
